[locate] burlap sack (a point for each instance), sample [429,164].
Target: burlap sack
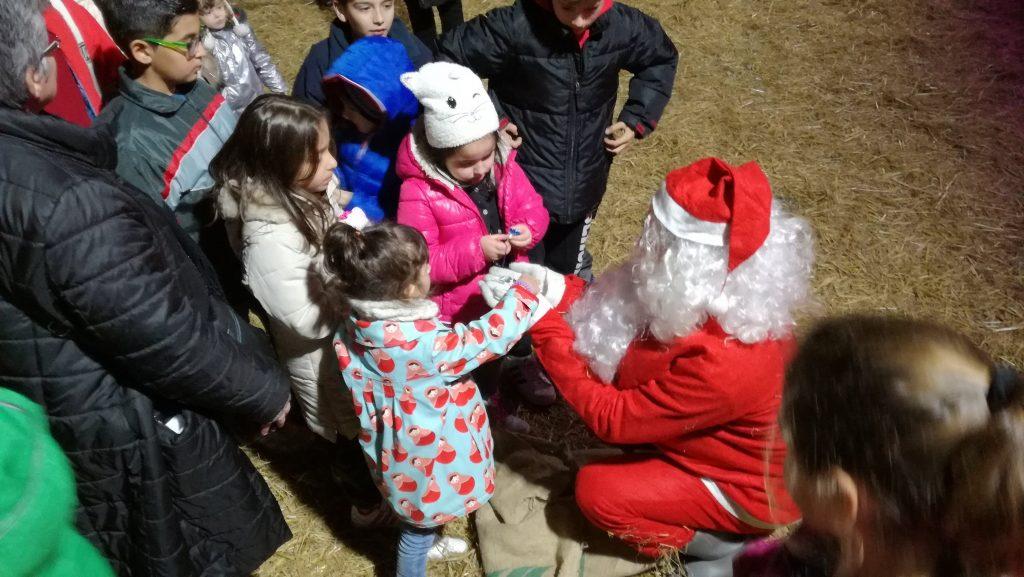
[532,527]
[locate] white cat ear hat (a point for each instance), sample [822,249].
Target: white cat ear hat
[456,107]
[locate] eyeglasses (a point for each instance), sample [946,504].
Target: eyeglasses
[50,49]
[189,49]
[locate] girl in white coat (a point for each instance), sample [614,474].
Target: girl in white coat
[276,191]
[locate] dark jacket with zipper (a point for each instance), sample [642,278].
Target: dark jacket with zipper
[112,321]
[561,95]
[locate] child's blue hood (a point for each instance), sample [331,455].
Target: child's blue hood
[374,65]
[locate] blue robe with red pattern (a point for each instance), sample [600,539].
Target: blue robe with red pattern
[423,423]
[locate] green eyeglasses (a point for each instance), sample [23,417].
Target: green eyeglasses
[189,49]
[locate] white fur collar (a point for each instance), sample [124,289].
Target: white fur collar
[261,206]
[432,172]
[258,206]
[395,310]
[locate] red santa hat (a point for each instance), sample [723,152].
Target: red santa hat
[713,203]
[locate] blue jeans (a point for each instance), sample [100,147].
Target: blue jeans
[413,545]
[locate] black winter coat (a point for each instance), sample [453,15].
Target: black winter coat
[561,96]
[111,321]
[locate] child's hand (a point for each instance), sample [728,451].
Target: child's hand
[520,236]
[343,197]
[510,133]
[278,421]
[495,246]
[618,137]
[337,196]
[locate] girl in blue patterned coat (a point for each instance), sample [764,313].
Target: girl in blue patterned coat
[424,427]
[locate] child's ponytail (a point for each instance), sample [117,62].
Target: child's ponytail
[984,514]
[377,263]
[341,246]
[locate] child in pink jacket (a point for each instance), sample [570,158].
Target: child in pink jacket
[461,187]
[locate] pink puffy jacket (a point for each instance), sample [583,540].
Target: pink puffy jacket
[434,204]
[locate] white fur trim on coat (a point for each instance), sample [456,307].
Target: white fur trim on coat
[395,310]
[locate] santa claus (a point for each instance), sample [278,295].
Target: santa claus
[683,347]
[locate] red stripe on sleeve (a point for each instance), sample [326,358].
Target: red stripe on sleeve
[190,140]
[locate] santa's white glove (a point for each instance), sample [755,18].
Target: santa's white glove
[489,297]
[500,280]
[552,284]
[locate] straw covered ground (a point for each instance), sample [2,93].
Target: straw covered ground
[894,126]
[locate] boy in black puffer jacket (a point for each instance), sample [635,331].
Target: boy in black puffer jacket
[553,68]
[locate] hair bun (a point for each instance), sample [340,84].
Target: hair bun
[348,239]
[1006,383]
[985,499]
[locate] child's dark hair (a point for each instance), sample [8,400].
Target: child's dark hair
[326,4]
[276,137]
[375,264]
[129,20]
[208,5]
[942,455]
[340,94]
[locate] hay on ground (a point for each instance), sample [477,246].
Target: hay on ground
[894,126]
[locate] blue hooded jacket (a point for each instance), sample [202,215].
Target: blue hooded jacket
[370,71]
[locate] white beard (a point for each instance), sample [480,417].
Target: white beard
[670,286]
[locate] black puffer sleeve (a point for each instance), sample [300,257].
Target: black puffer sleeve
[135,299]
[652,60]
[483,45]
[308,81]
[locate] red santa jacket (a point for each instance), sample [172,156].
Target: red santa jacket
[80,94]
[708,401]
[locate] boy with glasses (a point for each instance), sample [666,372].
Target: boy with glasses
[168,122]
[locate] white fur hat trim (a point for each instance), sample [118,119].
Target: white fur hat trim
[456,107]
[683,224]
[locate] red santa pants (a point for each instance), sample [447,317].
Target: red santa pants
[651,503]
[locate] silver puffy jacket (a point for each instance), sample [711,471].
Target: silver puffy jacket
[245,65]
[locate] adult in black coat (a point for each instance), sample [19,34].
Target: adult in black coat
[558,87]
[112,321]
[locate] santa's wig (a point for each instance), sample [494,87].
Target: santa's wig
[670,286]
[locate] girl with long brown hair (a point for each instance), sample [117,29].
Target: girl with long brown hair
[275,179]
